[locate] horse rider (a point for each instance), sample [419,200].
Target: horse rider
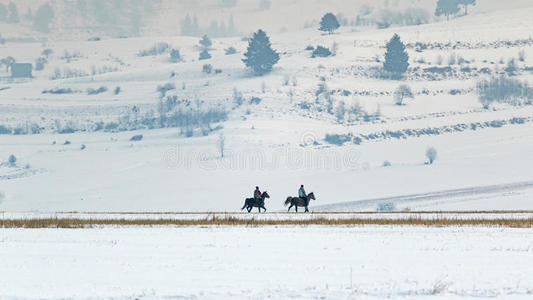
[302,194]
[257,193]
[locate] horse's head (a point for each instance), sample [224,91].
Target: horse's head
[265,195]
[311,196]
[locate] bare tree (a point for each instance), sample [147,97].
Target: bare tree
[431,154]
[402,92]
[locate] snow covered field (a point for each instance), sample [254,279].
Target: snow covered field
[275,144]
[267,262]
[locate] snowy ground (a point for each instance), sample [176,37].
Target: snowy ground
[267,262]
[274,144]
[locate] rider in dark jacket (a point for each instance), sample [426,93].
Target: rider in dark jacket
[257,193]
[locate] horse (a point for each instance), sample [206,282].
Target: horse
[250,203]
[297,201]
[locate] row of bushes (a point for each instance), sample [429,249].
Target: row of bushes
[341,139]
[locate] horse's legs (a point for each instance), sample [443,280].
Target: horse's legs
[259,209]
[263,207]
[306,209]
[289,208]
[296,207]
[249,208]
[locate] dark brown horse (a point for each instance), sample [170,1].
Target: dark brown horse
[297,201]
[250,203]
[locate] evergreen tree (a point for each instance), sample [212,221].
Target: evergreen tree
[232,30]
[186,25]
[175,55]
[13,16]
[396,58]
[465,4]
[43,18]
[204,55]
[28,16]
[329,23]
[260,56]
[447,8]
[3,13]
[205,42]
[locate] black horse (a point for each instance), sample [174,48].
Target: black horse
[250,203]
[297,201]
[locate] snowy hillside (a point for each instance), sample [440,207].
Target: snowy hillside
[330,123]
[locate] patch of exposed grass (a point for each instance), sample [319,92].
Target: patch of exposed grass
[235,221]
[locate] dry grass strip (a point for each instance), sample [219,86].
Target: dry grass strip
[234,221]
[314,212]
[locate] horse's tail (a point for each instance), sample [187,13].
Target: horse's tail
[288,201]
[245,203]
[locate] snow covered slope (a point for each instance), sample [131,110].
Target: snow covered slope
[278,143]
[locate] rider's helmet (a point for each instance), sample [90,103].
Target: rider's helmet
[256,187]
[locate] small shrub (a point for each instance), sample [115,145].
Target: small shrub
[218,71]
[163,89]
[431,154]
[310,48]
[386,207]
[5,130]
[255,100]
[204,55]
[286,80]
[522,55]
[58,91]
[337,139]
[387,163]
[67,142]
[175,55]
[238,98]
[207,68]
[136,138]
[83,147]
[47,52]
[511,67]
[157,49]
[117,90]
[97,91]
[452,59]
[230,51]
[40,63]
[12,160]
[439,60]
[111,126]
[321,51]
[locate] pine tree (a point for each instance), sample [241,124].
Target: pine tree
[396,58]
[3,13]
[447,8]
[465,4]
[186,26]
[329,23]
[13,16]
[205,42]
[43,17]
[260,56]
